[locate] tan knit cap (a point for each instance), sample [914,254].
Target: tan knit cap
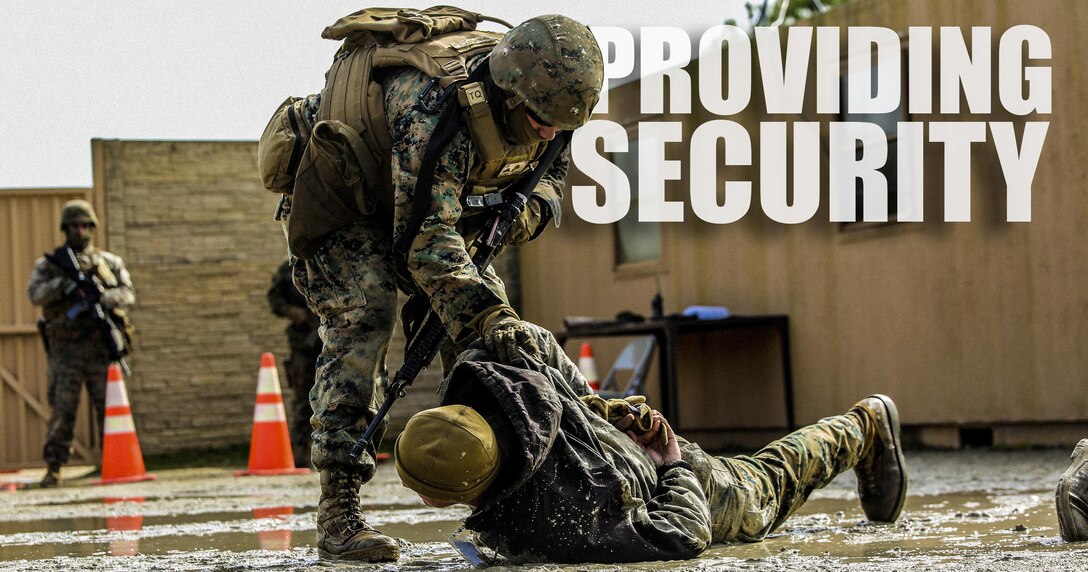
[447,453]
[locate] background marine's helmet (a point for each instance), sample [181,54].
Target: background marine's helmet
[77,210]
[554,64]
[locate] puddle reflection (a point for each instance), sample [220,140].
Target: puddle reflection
[276,538]
[124,525]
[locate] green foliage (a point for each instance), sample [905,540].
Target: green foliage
[769,12]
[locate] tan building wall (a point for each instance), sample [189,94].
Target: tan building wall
[197,235]
[965,324]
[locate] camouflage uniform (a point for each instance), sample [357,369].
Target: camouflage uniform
[77,349]
[301,366]
[572,466]
[351,282]
[351,276]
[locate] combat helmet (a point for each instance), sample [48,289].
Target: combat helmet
[77,210]
[554,64]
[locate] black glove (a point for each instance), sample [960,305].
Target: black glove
[528,224]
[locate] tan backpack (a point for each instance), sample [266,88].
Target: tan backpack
[339,168]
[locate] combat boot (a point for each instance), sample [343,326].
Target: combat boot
[52,476]
[882,471]
[342,533]
[1072,496]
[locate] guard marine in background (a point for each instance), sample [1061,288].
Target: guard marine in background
[84,326]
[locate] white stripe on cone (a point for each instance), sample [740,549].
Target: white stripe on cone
[268,381]
[116,396]
[118,424]
[269,412]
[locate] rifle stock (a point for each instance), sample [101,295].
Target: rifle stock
[425,344]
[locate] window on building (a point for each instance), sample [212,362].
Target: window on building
[888,123]
[636,242]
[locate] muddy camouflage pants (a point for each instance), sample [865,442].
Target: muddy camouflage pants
[73,364]
[750,496]
[349,284]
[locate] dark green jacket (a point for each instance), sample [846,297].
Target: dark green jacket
[572,488]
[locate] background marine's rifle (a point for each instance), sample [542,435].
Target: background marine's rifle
[91,301]
[429,336]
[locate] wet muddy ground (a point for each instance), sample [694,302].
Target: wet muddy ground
[968,510]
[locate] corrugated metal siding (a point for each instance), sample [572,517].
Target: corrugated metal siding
[29,226]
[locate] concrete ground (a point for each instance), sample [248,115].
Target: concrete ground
[968,510]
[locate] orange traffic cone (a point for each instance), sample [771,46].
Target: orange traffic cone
[588,366]
[270,445]
[122,460]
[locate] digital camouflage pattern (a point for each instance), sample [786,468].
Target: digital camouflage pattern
[350,282]
[73,365]
[554,63]
[301,366]
[751,496]
[438,259]
[77,350]
[614,505]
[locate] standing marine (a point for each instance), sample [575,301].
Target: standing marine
[394,215]
[84,293]
[301,368]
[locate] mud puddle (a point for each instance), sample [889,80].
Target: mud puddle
[961,515]
[268,528]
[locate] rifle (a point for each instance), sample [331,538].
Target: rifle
[428,338]
[90,300]
[41,332]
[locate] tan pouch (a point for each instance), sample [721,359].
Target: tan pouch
[334,186]
[282,145]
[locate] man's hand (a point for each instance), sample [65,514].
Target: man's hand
[660,451]
[525,226]
[506,336]
[68,286]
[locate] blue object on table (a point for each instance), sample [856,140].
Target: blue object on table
[707,312]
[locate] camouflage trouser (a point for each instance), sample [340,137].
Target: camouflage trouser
[301,369]
[73,364]
[750,496]
[350,285]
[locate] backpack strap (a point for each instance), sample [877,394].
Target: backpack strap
[449,123]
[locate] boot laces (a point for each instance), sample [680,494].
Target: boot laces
[347,497]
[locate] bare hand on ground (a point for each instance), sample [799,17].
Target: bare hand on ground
[660,453]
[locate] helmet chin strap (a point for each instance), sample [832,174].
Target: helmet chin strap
[515,122]
[512,100]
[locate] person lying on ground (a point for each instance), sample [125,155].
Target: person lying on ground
[551,479]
